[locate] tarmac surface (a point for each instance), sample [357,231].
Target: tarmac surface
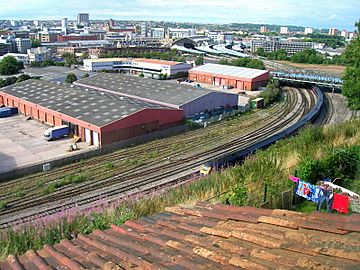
[22,144]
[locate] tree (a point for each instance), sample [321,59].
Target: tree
[199,60]
[141,75]
[48,63]
[23,77]
[224,61]
[260,52]
[85,55]
[69,58]
[351,85]
[35,43]
[9,65]
[70,78]
[35,64]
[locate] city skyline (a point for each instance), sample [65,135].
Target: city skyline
[341,15]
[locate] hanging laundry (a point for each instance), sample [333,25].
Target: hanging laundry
[308,191]
[340,203]
[294,178]
[327,198]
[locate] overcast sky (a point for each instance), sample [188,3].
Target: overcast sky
[341,14]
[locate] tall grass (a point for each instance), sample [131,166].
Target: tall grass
[242,185]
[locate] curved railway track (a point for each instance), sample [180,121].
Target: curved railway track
[145,179]
[118,156]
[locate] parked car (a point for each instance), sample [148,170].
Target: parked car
[197,85]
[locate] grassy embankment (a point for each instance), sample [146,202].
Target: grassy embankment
[270,167]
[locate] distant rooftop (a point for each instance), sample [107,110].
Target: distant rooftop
[56,73]
[144,60]
[156,90]
[241,72]
[95,107]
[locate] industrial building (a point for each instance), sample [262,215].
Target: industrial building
[191,100]
[273,45]
[75,37]
[237,77]
[108,108]
[97,117]
[137,65]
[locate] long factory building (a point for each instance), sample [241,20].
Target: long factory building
[109,108]
[237,77]
[152,67]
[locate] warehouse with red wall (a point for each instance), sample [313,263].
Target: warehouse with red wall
[237,77]
[96,118]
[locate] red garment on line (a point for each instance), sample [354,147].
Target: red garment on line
[340,203]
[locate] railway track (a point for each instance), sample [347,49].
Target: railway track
[118,186]
[165,151]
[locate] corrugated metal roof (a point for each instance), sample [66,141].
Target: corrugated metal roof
[210,237]
[233,71]
[91,106]
[156,90]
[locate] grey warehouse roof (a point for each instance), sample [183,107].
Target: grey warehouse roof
[55,73]
[241,72]
[94,107]
[156,90]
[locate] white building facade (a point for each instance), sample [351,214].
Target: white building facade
[136,66]
[39,54]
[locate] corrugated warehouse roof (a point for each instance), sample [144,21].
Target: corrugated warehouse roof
[233,71]
[209,237]
[94,107]
[156,90]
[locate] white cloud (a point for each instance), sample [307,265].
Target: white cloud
[297,12]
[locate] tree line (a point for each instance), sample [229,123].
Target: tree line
[13,79]
[243,62]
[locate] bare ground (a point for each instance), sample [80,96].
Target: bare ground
[333,70]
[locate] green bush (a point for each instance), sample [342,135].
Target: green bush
[109,166]
[309,170]
[272,93]
[3,205]
[9,66]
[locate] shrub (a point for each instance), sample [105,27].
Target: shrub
[109,166]
[3,205]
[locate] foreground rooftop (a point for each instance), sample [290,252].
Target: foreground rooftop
[210,237]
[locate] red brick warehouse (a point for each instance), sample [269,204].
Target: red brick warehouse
[238,77]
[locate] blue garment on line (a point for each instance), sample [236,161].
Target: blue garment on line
[308,191]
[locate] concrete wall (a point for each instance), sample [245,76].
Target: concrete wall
[91,153]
